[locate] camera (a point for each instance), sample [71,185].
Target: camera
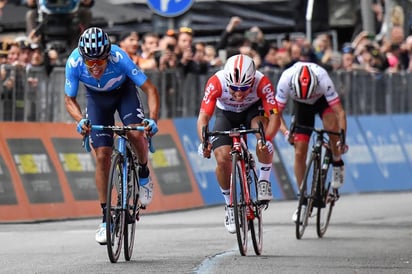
[170,47]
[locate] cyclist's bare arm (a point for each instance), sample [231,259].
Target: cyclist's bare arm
[153,99]
[283,126]
[73,108]
[202,120]
[273,125]
[341,115]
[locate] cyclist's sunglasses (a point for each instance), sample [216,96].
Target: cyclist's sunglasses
[95,63]
[239,88]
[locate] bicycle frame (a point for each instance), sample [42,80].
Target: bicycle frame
[315,178]
[122,194]
[246,210]
[239,147]
[121,148]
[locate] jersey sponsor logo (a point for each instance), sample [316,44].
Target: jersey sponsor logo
[135,71]
[68,83]
[269,94]
[117,56]
[140,113]
[75,62]
[108,86]
[208,92]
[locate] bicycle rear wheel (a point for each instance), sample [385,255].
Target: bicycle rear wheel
[329,198]
[256,221]
[131,212]
[115,216]
[305,204]
[239,204]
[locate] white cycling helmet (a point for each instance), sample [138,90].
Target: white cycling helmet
[240,71]
[304,82]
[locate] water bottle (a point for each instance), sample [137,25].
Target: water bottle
[325,162]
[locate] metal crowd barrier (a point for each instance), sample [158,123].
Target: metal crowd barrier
[29,94]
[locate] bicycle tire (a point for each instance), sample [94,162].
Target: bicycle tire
[115,216]
[131,212]
[256,224]
[239,205]
[328,197]
[306,198]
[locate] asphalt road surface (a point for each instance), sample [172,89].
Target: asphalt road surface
[369,233]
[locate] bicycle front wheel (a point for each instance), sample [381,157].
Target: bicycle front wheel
[329,197]
[239,204]
[305,204]
[115,216]
[255,221]
[131,212]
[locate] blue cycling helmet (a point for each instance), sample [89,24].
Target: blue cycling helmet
[94,43]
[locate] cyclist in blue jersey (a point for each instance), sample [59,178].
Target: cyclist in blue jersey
[110,78]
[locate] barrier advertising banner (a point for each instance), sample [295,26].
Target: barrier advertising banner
[384,143]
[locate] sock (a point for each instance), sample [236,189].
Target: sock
[103,206]
[337,163]
[264,173]
[226,195]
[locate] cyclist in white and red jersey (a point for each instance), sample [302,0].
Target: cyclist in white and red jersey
[239,95]
[313,92]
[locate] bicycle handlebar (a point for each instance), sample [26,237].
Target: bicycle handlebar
[119,130]
[232,133]
[320,131]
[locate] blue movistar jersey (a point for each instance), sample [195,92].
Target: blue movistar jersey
[119,67]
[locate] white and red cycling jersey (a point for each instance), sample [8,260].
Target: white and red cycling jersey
[324,86]
[217,95]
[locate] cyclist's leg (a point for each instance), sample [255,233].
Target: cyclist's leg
[305,116]
[131,113]
[221,149]
[264,156]
[99,111]
[331,123]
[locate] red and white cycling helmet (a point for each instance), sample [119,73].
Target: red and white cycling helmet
[304,82]
[240,71]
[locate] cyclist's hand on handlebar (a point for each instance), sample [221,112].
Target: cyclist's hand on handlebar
[341,144]
[84,126]
[268,145]
[204,152]
[150,126]
[342,147]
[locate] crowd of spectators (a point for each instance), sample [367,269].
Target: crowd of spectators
[389,51]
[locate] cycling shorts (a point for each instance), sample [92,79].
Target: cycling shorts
[226,120]
[101,108]
[305,116]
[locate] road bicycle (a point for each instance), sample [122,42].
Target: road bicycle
[243,187]
[123,209]
[316,192]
